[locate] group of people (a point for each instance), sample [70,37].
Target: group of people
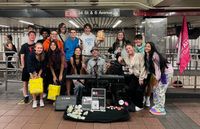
[57,54]
[62,53]
[146,70]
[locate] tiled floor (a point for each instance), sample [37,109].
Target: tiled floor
[181,114]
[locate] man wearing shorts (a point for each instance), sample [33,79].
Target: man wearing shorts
[25,51]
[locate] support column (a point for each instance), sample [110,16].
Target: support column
[156,31]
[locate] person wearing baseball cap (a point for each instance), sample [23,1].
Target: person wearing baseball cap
[96,65]
[94,48]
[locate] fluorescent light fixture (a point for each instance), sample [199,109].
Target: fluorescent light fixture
[4,26]
[143,22]
[157,20]
[25,22]
[117,23]
[140,26]
[73,23]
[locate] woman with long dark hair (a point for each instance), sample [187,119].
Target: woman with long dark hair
[56,60]
[160,70]
[79,67]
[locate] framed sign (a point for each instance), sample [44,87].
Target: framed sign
[98,99]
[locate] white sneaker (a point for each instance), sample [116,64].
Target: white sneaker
[34,104]
[41,103]
[148,103]
[138,109]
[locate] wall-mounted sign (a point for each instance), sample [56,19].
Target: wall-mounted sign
[69,13]
[73,13]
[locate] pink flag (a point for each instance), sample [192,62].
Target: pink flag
[184,47]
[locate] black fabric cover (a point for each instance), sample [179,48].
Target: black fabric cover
[103,117]
[115,68]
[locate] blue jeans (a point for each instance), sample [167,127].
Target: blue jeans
[78,90]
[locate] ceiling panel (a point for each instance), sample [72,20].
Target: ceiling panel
[97,22]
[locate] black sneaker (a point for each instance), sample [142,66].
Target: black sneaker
[26,99]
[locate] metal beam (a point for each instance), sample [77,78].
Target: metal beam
[154,2]
[60,5]
[165,3]
[166,13]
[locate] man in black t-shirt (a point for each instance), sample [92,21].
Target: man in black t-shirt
[26,50]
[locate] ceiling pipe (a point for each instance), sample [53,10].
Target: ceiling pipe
[162,12]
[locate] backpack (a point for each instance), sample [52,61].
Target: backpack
[115,68]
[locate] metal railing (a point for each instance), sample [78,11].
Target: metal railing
[191,75]
[190,78]
[11,74]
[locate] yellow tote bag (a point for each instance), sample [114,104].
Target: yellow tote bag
[36,86]
[54,91]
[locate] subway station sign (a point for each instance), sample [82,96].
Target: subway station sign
[74,13]
[69,13]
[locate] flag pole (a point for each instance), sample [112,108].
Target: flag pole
[179,50]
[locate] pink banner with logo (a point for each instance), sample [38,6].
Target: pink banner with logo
[184,48]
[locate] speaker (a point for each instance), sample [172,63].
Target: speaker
[63,101]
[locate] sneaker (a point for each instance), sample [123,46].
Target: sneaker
[148,103]
[156,111]
[34,104]
[41,103]
[26,99]
[138,109]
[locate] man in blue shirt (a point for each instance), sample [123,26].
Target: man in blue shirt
[69,46]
